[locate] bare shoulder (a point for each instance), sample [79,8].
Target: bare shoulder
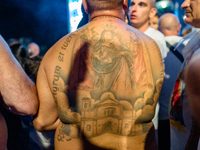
[54,57]
[62,45]
[152,51]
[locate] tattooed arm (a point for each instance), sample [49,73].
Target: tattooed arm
[47,117]
[48,89]
[16,89]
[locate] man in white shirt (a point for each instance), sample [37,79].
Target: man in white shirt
[140,13]
[170,26]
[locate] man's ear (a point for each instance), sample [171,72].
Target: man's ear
[85,6]
[153,12]
[179,28]
[125,4]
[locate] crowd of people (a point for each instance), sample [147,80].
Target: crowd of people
[126,80]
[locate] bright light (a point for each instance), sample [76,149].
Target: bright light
[163,4]
[74,5]
[75,13]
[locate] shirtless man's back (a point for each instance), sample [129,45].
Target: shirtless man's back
[99,86]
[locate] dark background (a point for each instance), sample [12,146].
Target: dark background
[44,21]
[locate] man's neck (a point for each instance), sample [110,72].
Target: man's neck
[144,27]
[115,14]
[170,33]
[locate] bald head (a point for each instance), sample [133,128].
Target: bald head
[34,49]
[169,24]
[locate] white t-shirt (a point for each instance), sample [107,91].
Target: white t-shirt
[159,38]
[173,40]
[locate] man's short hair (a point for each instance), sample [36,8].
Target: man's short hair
[153,3]
[96,5]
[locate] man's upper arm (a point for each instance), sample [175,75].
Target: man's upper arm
[50,85]
[17,90]
[47,105]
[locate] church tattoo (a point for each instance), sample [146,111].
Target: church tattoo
[119,89]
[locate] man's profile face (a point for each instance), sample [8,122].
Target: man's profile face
[139,11]
[154,22]
[192,12]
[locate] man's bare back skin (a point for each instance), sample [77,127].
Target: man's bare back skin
[99,86]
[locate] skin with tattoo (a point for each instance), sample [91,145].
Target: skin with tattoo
[99,86]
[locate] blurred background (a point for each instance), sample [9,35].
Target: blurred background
[46,21]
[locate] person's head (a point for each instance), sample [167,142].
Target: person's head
[154,22]
[192,12]
[103,7]
[126,20]
[20,52]
[33,49]
[12,41]
[169,24]
[30,65]
[140,13]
